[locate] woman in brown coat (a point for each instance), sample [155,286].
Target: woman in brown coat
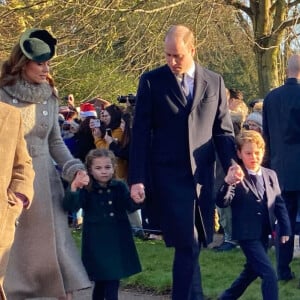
[44,259]
[16,181]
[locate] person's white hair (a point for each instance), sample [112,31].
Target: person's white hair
[255,117]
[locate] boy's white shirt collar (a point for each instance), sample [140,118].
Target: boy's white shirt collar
[250,172]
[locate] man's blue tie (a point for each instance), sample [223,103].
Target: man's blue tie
[259,184]
[185,87]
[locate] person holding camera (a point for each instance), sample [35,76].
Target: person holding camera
[109,130]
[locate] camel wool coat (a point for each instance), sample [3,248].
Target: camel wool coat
[44,260]
[17,176]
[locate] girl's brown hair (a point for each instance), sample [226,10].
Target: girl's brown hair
[96,153]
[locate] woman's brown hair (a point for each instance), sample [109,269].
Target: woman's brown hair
[12,68]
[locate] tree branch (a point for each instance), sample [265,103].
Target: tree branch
[138,10]
[288,23]
[294,3]
[239,5]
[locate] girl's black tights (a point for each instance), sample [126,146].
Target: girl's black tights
[106,290]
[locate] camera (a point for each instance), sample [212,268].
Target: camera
[130,98]
[246,126]
[95,123]
[108,131]
[66,126]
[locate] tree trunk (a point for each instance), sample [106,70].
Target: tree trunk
[267,69]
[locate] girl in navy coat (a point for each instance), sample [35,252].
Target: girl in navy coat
[254,195]
[108,249]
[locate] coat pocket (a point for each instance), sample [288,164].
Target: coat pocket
[10,212]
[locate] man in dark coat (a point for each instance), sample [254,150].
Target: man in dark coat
[181,118]
[281,128]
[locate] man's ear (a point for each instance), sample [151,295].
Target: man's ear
[193,51]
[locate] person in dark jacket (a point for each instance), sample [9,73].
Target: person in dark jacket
[281,129]
[253,193]
[108,249]
[181,120]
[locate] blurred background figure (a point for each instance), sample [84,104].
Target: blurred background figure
[84,138]
[254,121]
[234,98]
[281,128]
[256,105]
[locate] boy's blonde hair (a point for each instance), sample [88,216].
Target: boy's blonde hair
[249,136]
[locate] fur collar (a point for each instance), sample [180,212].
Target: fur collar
[28,92]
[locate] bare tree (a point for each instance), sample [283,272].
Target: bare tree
[269,25]
[104,45]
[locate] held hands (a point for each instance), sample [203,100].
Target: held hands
[234,175]
[137,192]
[284,239]
[81,179]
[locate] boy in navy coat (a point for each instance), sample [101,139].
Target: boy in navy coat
[254,195]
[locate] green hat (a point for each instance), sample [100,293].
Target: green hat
[38,44]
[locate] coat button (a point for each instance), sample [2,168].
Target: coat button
[45,113]
[110,202]
[15,101]
[111,214]
[100,192]
[108,190]
[45,102]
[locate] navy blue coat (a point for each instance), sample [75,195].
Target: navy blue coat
[247,211]
[108,249]
[173,149]
[281,128]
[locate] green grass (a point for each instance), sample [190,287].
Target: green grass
[218,271]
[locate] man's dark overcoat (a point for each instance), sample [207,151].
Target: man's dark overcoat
[173,149]
[281,127]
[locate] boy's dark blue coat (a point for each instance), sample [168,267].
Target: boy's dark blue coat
[108,249]
[247,217]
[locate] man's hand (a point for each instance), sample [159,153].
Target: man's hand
[137,192]
[235,174]
[284,239]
